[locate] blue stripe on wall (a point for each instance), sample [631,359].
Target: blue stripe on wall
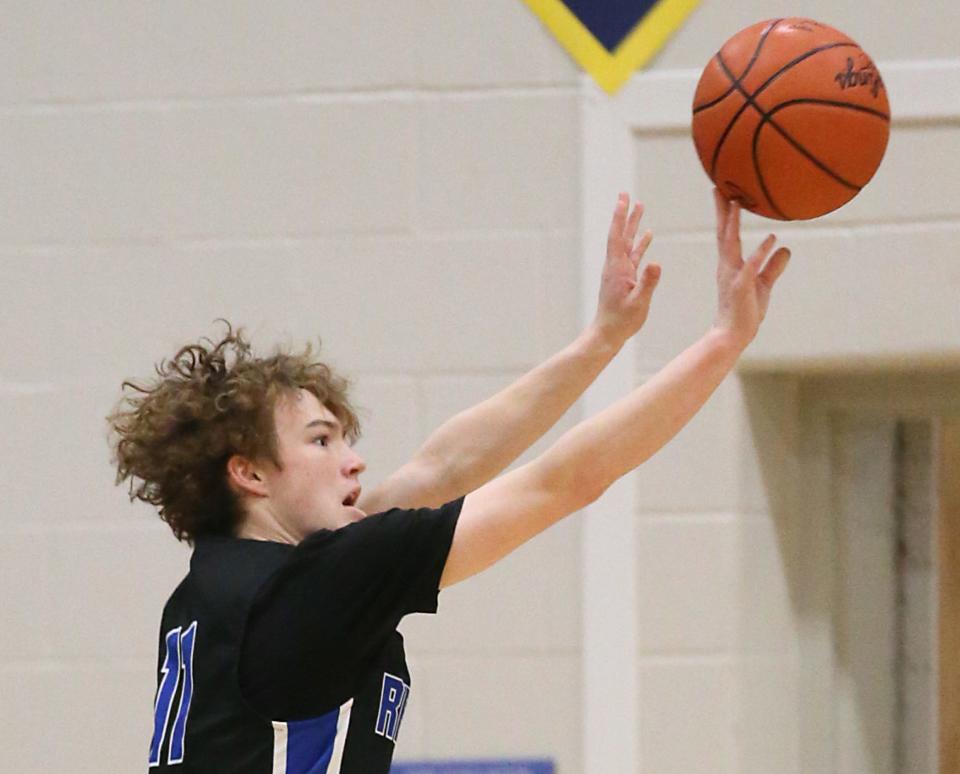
[538,766]
[310,743]
[610,21]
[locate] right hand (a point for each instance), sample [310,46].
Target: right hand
[743,286]
[625,288]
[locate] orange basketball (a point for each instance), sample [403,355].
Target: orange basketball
[790,118]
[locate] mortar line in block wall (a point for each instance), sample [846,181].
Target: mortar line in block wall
[807,229]
[133,524]
[488,653]
[851,228]
[270,99]
[73,665]
[667,516]
[216,242]
[692,658]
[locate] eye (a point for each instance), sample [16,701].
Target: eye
[323,440]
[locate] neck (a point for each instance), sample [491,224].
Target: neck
[262,524]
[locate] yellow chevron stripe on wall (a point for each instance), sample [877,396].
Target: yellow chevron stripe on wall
[611,39]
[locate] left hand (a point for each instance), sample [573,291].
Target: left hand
[743,284]
[625,298]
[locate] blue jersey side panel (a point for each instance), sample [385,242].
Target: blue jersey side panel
[310,744]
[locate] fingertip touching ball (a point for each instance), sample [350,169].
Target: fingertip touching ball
[790,118]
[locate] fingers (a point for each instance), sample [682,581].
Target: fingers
[623,229]
[728,229]
[618,223]
[648,281]
[722,205]
[633,222]
[651,274]
[636,255]
[760,255]
[731,234]
[775,266]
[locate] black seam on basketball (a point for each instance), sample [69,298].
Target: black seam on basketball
[729,127]
[830,103]
[750,97]
[753,59]
[810,157]
[768,119]
[759,174]
[798,60]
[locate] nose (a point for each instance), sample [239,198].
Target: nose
[355,464]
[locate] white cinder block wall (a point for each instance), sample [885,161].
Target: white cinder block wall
[398,178]
[736,645]
[403,179]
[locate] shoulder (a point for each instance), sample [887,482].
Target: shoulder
[225,567]
[385,529]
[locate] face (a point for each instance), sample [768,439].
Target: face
[318,483]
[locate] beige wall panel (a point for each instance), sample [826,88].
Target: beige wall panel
[492,163]
[560,287]
[853,298]
[687,578]
[59,51]
[767,740]
[850,296]
[766,622]
[423,306]
[443,396]
[55,461]
[505,706]
[528,603]
[96,321]
[929,29]
[389,416]
[769,433]
[698,469]
[684,306]
[688,717]
[28,606]
[77,717]
[919,178]
[673,186]
[401,179]
[481,43]
[240,170]
[96,572]
[301,171]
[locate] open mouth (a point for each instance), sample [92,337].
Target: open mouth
[351,499]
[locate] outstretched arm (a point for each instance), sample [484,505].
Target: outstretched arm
[477,444]
[579,467]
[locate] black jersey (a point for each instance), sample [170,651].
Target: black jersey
[280,659]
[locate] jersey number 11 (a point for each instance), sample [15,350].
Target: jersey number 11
[179,660]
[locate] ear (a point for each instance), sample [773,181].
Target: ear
[245,475]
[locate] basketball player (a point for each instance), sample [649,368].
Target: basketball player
[278,653]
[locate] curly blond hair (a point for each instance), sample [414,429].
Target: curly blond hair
[172,437]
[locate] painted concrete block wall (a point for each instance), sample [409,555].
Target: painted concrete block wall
[357,170]
[725,618]
[399,179]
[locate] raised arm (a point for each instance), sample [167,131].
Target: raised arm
[580,466]
[477,444]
